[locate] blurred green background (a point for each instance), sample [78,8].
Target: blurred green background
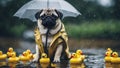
[100,19]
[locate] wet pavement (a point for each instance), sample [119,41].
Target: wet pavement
[94,59]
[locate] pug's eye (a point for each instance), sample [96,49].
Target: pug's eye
[54,16]
[43,17]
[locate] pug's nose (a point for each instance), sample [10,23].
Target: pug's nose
[48,18]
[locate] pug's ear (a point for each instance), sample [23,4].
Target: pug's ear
[60,15]
[37,15]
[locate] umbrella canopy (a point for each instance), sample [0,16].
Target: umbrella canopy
[31,8]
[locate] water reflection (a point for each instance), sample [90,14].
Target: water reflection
[94,58]
[3,63]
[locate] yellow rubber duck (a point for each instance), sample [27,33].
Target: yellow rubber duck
[107,57]
[44,61]
[109,50]
[75,60]
[73,55]
[79,54]
[2,56]
[115,58]
[24,58]
[10,51]
[13,58]
[53,65]
[115,61]
[29,54]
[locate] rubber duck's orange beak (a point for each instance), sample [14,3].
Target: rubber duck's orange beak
[8,50]
[23,54]
[112,55]
[71,56]
[81,53]
[29,52]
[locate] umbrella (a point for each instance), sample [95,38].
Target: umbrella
[31,8]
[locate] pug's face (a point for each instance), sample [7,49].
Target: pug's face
[48,17]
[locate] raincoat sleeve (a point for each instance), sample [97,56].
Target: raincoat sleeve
[38,40]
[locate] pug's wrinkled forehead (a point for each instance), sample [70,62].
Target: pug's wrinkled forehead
[48,12]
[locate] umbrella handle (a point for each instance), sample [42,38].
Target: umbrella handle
[48,4]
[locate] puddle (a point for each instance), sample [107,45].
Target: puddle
[94,59]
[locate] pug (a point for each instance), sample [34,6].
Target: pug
[51,37]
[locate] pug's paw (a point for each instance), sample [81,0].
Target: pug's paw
[35,59]
[56,59]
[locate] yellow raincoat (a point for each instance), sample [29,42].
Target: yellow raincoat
[59,38]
